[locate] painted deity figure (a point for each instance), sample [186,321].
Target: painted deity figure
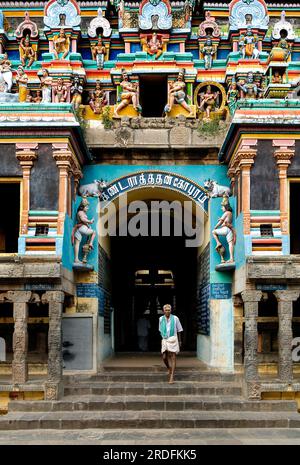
[82,229]
[60,92]
[98,53]
[281,51]
[225,228]
[27,53]
[129,94]
[6,76]
[76,92]
[248,45]
[22,81]
[61,44]
[232,97]
[176,94]
[38,97]
[97,99]
[208,52]
[208,101]
[248,89]
[46,86]
[277,78]
[154,46]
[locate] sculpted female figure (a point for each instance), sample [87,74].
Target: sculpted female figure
[22,81]
[176,94]
[130,94]
[224,228]
[82,228]
[46,85]
[61,45]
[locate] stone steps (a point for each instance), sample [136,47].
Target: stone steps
[154,377]
[148,419]
[161,403]
[156,388]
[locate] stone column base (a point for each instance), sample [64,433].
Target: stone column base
[19,372]
[252,390]
[53,390]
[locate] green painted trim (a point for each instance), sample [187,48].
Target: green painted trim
[43,213]
[265,212]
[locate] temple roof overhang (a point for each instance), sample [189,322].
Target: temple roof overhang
[259,119]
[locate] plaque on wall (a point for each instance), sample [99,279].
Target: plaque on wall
[77,345]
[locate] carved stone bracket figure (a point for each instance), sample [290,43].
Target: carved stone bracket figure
[76,92]
[99,52]
[22,81]
[61,45]
[129,94]
[60,92]
[177,94]
[225,228]
[80,230]
[46,86]
[97,99]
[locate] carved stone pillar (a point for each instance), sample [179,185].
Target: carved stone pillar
[283,154]
[53,385]
[251,299]
[238,329]
[20,336]
[285,333]
[26,154]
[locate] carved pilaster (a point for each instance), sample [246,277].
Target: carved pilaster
[283,155]
[285,333]
[251,299]
[26,154]
[20,335]
[55,300]
[238,329]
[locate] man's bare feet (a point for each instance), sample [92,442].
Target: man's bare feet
[171,380]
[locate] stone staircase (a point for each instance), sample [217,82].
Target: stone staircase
[141,398]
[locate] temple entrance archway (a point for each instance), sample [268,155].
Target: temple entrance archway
[153,94]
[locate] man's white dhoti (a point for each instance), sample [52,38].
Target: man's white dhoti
[170,344]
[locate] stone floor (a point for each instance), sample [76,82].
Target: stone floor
[236,436]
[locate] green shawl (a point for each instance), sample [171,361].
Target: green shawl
[163,327]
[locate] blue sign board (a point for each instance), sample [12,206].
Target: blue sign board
[220,291]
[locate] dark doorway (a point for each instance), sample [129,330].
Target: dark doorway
[294,217]
[10,217]
[148,272]
[153,94]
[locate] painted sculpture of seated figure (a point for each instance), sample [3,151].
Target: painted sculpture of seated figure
[61,45]
[208,101]
[224,228]
[277,79]
[97,99]
[248,45]
[130,94]
[176,94]
[154,46]
[281,51]
[81,229]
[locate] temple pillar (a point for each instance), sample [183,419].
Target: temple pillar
[251,299]
[53,386]
[283,153]
[20,336]
[285,333]
[26,154]
[63,158]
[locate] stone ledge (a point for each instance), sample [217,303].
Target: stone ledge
[276,268]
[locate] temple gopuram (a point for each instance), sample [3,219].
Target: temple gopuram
[117,116]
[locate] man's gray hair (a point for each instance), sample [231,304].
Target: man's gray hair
[167,306]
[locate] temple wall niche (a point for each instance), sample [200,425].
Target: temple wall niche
[264,179]
[9,163]
[44,181]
